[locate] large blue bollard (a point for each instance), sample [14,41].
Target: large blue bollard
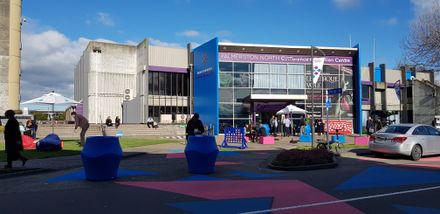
[201,153]
[101,156]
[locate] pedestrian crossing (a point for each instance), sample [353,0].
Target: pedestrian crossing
[173,137]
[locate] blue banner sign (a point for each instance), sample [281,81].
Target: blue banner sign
[335,91]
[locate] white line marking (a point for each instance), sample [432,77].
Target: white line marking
[344,200]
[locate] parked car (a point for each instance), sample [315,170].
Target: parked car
[413,140]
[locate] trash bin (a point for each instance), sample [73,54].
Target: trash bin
[201,153]
[101,156]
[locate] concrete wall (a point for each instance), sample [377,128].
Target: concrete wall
[131,111]
[14,54]
[4,55]
[170,57]
[365,74]
[103,73]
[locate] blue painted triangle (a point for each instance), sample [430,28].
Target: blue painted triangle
[225,206]
[80,175]
[228,153]
[201,178]
[416,210]
[379,176]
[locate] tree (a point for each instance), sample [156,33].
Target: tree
[422,45]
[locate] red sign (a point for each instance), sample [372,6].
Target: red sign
[344,126]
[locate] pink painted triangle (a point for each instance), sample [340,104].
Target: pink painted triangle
[285,193]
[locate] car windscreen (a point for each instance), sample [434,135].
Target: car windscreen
[395,129]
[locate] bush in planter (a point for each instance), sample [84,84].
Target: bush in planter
[298,157]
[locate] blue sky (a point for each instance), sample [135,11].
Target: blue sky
[55,34]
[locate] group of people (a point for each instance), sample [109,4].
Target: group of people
[373,125]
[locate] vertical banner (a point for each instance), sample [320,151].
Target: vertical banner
[206,94]
[397,88]
[318,63]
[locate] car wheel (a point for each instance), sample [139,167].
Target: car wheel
[416,153]
[321,146]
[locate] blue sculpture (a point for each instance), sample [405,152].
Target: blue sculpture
[201,153]
[101,156]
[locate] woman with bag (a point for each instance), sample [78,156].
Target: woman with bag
[13,142]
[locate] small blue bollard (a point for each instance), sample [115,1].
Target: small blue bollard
[201,154]
[101,156]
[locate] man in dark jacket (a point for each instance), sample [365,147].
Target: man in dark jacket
[13,142]
[194,126]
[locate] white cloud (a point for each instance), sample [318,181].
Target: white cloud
[422,5]
[190,33]
[226,41]
[346,4]
[390,21]
[165,44]
[48,61]
[105,19]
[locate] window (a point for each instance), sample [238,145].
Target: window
[179,84]
[225,66]
[421,130]
[168,86]
[226,79]
[225,111]
[241,67]
[396,129]
[225,95]
[365,92]
[240,94]
[162,83]
[185,85]
[432,131]
[241,80]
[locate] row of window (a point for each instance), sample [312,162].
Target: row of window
[156,111]
[170,84]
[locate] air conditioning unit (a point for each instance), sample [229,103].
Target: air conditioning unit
[128,94]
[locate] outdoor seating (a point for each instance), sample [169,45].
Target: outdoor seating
[101,156]
[267,140]
[201,154]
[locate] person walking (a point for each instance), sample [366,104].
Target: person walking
[117,122]
[173,117]
[194,126]
[13,141]
[370,126]
[81,121]
[287,124]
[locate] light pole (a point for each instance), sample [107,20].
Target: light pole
[312,123]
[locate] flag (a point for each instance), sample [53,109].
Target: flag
[317,68]
[397,88]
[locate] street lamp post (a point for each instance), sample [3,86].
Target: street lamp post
[312,123]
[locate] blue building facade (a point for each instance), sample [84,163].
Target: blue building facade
[237,84]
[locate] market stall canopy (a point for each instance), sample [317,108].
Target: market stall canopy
[51,98]
[291,109]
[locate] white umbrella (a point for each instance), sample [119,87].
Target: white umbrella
[52,99]
[291,109]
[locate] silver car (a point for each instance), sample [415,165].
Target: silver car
[414,140]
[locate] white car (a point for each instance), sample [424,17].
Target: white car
[413,140]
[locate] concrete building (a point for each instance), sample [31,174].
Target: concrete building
[10,54]
[404,95]
[130,81]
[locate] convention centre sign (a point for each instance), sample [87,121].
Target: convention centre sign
[277,58]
